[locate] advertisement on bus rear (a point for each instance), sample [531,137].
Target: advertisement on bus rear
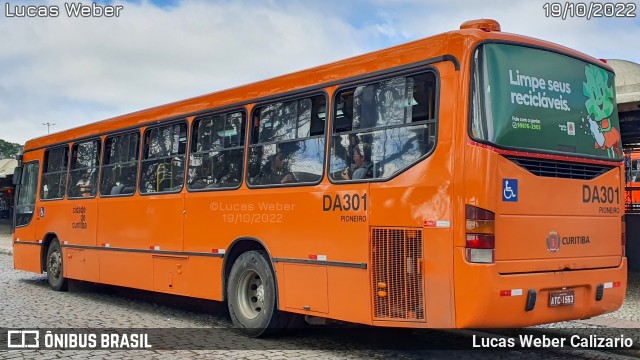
[541,100]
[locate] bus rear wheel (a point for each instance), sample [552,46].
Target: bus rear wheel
[251,292]
[55,273]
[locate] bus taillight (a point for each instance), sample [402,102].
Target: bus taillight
[480,232]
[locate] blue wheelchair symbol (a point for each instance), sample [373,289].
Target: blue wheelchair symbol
[510,190]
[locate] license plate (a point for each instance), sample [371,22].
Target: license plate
[561,297]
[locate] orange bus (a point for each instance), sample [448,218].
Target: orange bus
[632,178]
[469,179]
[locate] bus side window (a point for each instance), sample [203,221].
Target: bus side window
[83,171]
[217,151]
[54,173]
[288,142]
[383,128]
[163,159]
[120,164]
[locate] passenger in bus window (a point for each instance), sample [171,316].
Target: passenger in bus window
[347,152]
[279,171]
[119,185]
[202,178]
[229,168]
[275,170]
[361,167]
[83,187]
[354,141]
[116,189]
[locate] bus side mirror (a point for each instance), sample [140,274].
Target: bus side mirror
[17,175]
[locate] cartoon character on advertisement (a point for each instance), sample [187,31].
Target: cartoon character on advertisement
[599,105]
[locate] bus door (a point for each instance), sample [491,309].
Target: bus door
[26,252]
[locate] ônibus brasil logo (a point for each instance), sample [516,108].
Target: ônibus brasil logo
[553,241]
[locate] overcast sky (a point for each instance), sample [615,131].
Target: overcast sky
[72,71]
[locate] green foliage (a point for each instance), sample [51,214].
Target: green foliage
[8,150]
[599,94]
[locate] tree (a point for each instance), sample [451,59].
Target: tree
[9,150]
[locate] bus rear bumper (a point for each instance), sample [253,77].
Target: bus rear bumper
[485,298]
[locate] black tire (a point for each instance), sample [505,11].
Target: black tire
[55,270]
[251,294]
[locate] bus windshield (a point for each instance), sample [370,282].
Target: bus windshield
[531,99]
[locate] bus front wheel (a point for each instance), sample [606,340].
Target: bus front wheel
[54,267]
[251,292]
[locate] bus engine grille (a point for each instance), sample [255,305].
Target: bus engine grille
[396,266]
[560,169]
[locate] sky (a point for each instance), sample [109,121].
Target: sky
[71,71]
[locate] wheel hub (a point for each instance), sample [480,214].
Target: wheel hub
[250,294]
[55,262]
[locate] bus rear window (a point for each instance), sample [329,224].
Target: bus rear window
[537,100]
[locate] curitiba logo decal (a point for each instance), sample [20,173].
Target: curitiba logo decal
[599,106]
[553,241]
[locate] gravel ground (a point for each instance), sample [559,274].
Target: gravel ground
[27,302]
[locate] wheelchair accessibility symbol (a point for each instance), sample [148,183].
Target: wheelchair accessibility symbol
[510,190]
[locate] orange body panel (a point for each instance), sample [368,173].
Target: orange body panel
[126,269]
[26,257]
[306,288]
[82,264]
[324,258]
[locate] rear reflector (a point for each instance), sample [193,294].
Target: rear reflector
[512,292]
[609,285]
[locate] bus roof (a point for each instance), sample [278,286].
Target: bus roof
[453,43]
